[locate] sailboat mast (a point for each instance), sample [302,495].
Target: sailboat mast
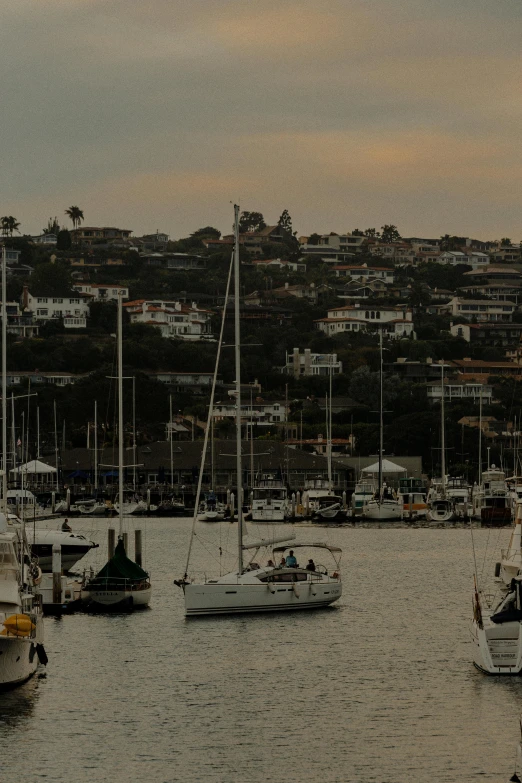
[237,333]
[171,444]
[381,424]
[329,433]
[480,438]
[442,433]
[4,384]
[96,444]
[120,418]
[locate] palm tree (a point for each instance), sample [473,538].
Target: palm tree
[9,225]
[76,215]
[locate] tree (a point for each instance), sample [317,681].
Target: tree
[63,240]
[357,232]
[250,222]
[505,242]
[390,233]
[9,225]
[207,233]
[52,227]
[371,232]
[76,215]
[314,239]
[51,279]
[285,221]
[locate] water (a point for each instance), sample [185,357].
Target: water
[379,688]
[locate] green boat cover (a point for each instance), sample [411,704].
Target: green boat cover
[120,567]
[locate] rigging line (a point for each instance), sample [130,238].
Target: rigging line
[474,552]
[210,415]
[485,552]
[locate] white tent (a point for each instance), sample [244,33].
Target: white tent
[387,467]
[35,466]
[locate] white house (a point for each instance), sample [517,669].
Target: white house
[482,309]
[173,319]
[460,391]
[396,321]
[334,246]
[259,412]
[102,292]
[364,272]
[308,363]
[73,309]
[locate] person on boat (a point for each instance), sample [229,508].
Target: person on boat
[66,528]
[282,564]
[310,566]
[270,564]
[291,561]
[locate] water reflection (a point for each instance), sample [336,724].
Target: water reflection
[17,705]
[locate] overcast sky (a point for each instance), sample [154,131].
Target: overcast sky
[348,113]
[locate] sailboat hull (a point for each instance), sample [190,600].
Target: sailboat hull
[113,599]
[206,599]
[385,510]
[497,648]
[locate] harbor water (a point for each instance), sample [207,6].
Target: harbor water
[379,688]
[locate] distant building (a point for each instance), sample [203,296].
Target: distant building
[491,335]
[195,382]
[17,378]
[364,273]
[308,363]
[396,321]
[94,235]
[102,292]
[480,309]
[175,261]
[73,309]
[173,319]
[454,390]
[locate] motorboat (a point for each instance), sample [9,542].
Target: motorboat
[73,546]
[364,491]
[510,564]
[496,631]
[269,500]
[330,509]
[412,494]
[492,503]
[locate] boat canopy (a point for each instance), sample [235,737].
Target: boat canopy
[316,545]
[120,567]
[34,466]
[387,467]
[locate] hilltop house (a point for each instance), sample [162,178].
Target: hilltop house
[481,309]
[102,292]
[308,363]
[396,321]
[105,235]
[74,309]
[173,319]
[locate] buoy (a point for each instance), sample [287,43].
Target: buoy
[18,625]
[497,569]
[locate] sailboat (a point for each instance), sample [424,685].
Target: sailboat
[21,637]
[384,505]
[211,510]
[510,564]
[251,588]
[441,508]
[328,507]
[121,583]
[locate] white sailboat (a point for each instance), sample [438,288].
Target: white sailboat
[210,509]
[21,637]
[383,506]
[510,564]
[251,588]
[441,508]
[121,583]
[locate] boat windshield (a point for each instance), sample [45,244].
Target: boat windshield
[263,494]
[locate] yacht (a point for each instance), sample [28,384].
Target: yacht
[492,503]
[412,494]
[210,509]
[364,491]
[269,500]
[510,564]
[441,508]
[496,631]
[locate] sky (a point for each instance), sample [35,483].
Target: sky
[157,114]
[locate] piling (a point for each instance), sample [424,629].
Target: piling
[344,500]
[53,502]
[148,505]
[137,547]
[111,541]
[293,505]
[68,500]
[232,505]
[57,574]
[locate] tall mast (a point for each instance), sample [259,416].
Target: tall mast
[480,438]
[171,445]
[330,476]
[56,446]
[381,425]
[38,432]
[134,432]
[442,433]
[120,419]
[237,333]
[4,384]
[95,444]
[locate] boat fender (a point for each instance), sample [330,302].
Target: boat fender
[42,655]
[294,587]
[497,569]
